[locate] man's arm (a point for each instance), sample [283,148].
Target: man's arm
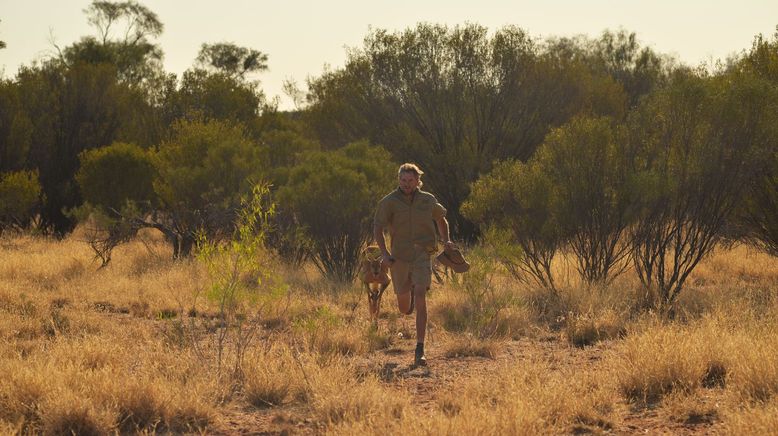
[442,223]
[378,235]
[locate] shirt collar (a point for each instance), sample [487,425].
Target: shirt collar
[401,194]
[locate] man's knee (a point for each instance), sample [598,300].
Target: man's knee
[404,301]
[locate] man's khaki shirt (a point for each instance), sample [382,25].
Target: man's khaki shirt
[411,223]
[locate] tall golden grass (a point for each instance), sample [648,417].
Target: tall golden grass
[128,348]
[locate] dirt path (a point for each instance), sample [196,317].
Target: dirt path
[394,367]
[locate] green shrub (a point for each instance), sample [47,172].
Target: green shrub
[111,176]
[20,193]
[332,196]
[514,200]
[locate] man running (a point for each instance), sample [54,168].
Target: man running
[411,216]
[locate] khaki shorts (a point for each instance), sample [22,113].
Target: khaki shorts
[417,273]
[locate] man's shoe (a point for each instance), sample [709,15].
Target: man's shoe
[410,310]
[419,359]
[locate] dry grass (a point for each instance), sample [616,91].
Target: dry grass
[130,348]
[274,377]
[591,327]
[661,360]
[531,398]
[758,419]
[468,346]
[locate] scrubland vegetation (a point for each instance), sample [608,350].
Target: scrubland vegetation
[178,255]
[133,347]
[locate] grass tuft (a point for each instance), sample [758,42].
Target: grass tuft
[470,347]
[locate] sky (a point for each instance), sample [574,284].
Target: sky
[303,38]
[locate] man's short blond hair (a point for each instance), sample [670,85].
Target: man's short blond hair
[411,168]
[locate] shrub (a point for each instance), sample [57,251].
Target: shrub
[332,197]
[111,176]
[697,145]
[20,193]
[240,303]
[204,169]
[514,201]
[594,197]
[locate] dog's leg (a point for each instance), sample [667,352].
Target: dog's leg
[373,316]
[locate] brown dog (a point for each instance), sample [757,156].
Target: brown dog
[375,276]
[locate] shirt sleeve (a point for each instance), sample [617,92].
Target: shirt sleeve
[438,211]
[382,214]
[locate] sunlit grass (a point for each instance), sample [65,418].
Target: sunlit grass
[130,348]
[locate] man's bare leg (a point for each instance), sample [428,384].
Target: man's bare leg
[421,313]
[404,302]
[404,298]
[405,305]
[420,295]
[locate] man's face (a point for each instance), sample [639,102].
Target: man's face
[408,182]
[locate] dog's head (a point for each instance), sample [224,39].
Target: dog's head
[373,266]
[371,260]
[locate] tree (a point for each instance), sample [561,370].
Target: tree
[205,95]
[217,88]
[111,176]
[283,140]
[762,59]
[116,183]
[191,185]
[453,100]
[332,197]
[514,201]
[141,21]
[759,217]
[594,195]
[286,148]
[697,145]
[16,129]
[134,55]
[757,221]
[203,170]
[124,40]
[638,69]
[230,59]
[64,111]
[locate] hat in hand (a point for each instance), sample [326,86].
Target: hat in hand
[453,259]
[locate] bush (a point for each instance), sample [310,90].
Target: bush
[514,200]
[758,220]
[594,194]
[20,193]
[111,176]
[114,181]
[697,145]
[332,196]
[204,170]
[241,303]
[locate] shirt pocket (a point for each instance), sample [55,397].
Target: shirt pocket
[424,207]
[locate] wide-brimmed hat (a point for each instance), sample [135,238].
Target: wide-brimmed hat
[453,259]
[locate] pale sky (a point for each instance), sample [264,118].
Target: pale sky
[301,37]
